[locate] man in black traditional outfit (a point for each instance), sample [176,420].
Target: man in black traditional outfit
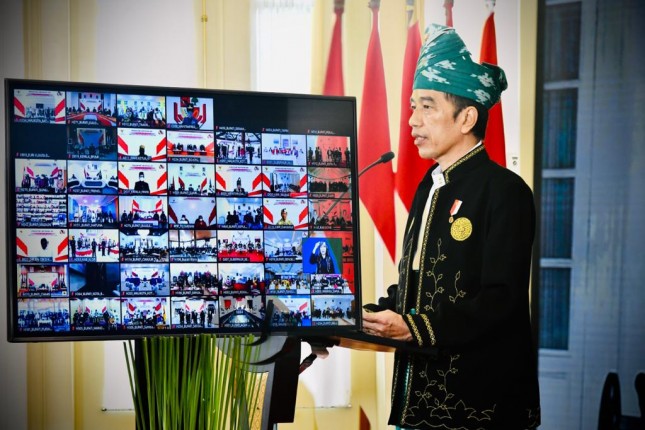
[464,273]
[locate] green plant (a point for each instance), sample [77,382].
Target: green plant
[194,382]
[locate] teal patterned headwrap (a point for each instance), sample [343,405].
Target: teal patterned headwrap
[445,65]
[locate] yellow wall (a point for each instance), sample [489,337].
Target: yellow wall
[65,380]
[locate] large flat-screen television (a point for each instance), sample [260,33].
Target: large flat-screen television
[139,211]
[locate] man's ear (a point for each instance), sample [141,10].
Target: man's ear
[469,117]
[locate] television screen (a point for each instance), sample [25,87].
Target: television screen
[136,211]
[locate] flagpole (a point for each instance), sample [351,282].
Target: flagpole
[448,4]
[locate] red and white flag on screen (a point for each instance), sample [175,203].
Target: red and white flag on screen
[494,142]
[376,186]
[410,168]
[334,83]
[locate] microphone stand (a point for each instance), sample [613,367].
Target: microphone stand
[383,159]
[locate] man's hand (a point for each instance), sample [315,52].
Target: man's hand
[386,324]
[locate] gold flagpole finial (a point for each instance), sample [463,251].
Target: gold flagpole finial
[339,4]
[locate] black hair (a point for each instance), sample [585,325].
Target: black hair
[460,103]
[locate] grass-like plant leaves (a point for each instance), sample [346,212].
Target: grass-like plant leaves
[194,382]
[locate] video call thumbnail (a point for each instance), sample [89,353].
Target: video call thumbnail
[39,106]
[141,111]
[143,245]
[286,214]
[330,214]
[43,176]
[194,312]
[188,245]
[328,151]
[283,245]
[239,181]
[90,108]
[94,280]
[322,255]
[145,279]
[91,143]
[241,311]
[95,314]
[285,181]
[41,210]
[145,313]
[190,112]
[92,177]
[329,284]
[195,279]
[346,239]
[286,278]
[42,280]
[191,179]
[201,210]
[93,210]
[190,147]
[238,147]
[290,311]
[41,245]
[43,315]
[242,278]
[143,212]
[240,246]
[333,310]
[284,149]
[239,213]
[93,245]
[329,182]
[143,178]
[136,144]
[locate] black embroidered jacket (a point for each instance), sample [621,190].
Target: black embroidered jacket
[471,301]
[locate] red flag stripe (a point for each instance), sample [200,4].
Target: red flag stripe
[334,84]
[267,214]
[122,144]
[17,105]
[162,179]
[410,168]
[494,141]
[220,181]
[124,180]
[373,141]
[161,145]
[22,246]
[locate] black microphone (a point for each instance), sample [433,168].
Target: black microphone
[384,159]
